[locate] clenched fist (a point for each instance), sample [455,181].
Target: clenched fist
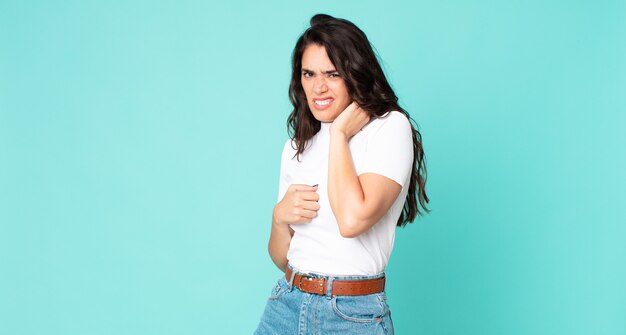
[299,205]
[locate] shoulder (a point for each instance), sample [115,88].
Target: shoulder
[289,146]
[289,150]
[391,122]
[395,118]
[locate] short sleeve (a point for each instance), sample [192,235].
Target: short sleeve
[283,183]
[389,150]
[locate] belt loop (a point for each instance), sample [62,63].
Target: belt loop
[329,287]
[293,274]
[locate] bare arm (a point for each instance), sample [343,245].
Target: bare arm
[358,202]
[280,238]
[298,206]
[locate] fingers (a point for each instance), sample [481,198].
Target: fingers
[352,106]
[304,192]
[302,188]
[352,109]
[351,120]
[309,205]
[308,196]
[306,213]
[300,204]
[361,116]
[301,215]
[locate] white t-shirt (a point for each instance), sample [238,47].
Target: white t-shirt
[384,147]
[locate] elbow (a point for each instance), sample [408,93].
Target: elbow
[279,261]
[352,227]
[348,233]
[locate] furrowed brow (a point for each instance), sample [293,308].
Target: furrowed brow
[323,72]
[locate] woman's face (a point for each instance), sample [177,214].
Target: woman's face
[326,92]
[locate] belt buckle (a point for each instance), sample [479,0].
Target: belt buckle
[319,289]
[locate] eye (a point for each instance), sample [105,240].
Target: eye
[307,74]
[333,75]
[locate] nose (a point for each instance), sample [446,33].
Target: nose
[319,86]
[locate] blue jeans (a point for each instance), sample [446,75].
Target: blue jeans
[290,311]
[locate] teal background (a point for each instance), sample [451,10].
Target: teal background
[140,145]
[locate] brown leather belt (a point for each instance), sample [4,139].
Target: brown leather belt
[319,286]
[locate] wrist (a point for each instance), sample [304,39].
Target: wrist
[338,134]
[275,221]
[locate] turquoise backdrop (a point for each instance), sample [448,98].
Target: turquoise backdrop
[140,145]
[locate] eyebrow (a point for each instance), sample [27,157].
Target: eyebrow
[324,72]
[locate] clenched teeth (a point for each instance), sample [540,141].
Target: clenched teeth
[322,102]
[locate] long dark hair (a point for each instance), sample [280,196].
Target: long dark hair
[350,51]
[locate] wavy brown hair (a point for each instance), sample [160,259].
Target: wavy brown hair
[351,52]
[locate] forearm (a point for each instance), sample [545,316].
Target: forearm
[298,206]
[344,188]
[280,238]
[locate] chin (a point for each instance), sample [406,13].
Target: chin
[324,116]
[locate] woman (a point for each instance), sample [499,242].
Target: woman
[353,171]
